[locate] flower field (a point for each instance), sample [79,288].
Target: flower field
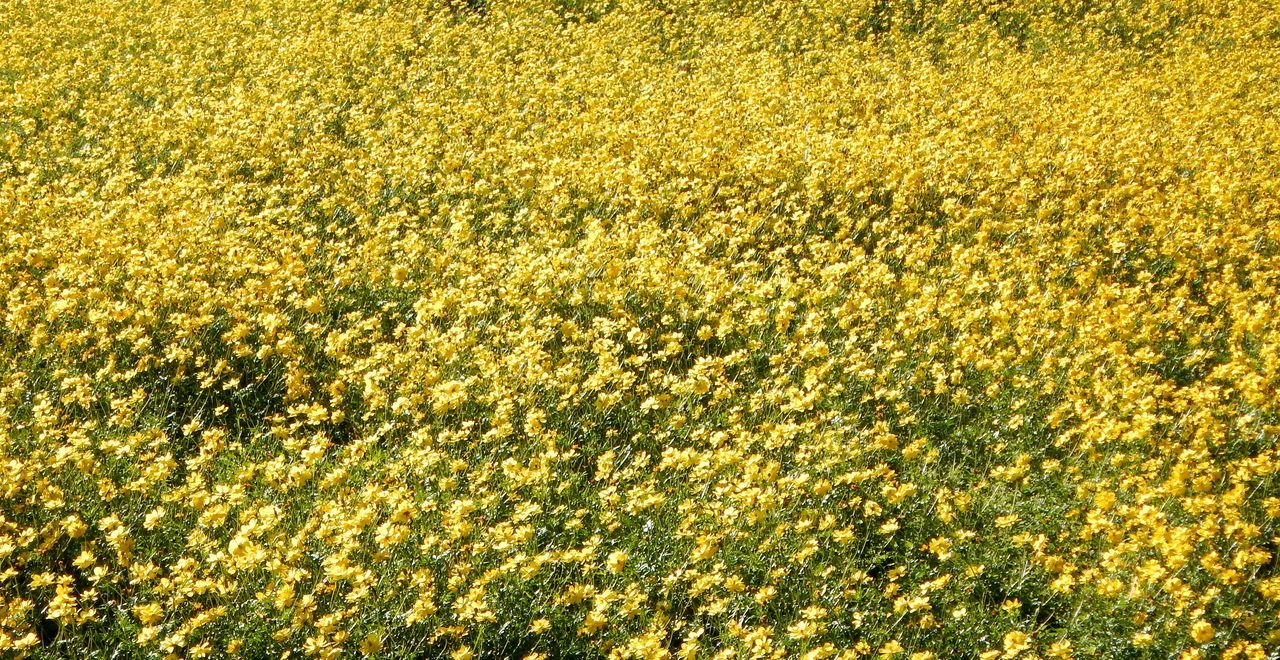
[640,329]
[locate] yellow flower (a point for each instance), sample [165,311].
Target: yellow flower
[149,614]
[74,526]
[593,623]
[371,644]
[1202,631]
[1059,649]
[1015,642]
[705,549]
[616,561]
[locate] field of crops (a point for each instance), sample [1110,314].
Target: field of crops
[640,328]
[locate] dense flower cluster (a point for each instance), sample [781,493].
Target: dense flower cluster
[640,328]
